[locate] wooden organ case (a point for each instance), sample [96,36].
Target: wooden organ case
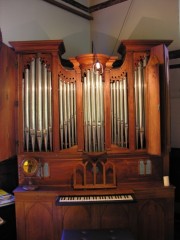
[94,133]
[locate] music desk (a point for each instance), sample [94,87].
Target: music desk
[97,234]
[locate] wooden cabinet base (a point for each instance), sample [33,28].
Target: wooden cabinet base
[150,217]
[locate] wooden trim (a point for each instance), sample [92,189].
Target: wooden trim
[173,66]
[174,54]
[69,9]
[77,5]
[93,8]
[82,7]
[105,4]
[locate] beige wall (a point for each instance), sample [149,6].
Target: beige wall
[175,104]
[38,20]
[132,19]
[136,19]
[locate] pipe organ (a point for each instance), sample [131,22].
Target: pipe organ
[94,133]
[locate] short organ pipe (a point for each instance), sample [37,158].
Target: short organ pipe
[119,112]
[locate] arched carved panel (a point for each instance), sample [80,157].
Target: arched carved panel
[38,230]
[76,217]
[151,221]
[114,216]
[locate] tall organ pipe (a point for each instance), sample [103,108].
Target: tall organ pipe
[37,106]
[45,106]
[139,78]
[39,102]
[93,104]
[26,108]
[32,104]
[67,114]
[61,113]
[101,91]
[49,102]
[85,105]
[125,110]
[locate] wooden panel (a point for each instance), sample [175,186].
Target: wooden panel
[61,169]
[153,107]
[150,217]
[34,230]
[20,224]
[8,87]
[151,221]
[73,216]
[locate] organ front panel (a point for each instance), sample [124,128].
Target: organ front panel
[100,134]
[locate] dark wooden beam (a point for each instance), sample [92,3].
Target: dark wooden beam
[105,4]
[93,8]
[77,5]
[80,6]
[173,66]
[174,54]
[69,9]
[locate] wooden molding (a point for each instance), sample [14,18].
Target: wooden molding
[82,7]
[174,54]
[67,8]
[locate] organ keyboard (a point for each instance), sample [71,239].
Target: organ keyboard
[74,200]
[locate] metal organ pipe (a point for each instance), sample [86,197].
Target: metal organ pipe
[45,106]
[136,106]
[37,106]
[61,113]
[119,112]
[85,105]
[94,111]
[32,104]
[67,113]
[125,110]
[93,104]
[101,94]
[39,102]
[74,117]
[49,97]
[72,112]
[89,119]
[139,79]
[26,108]
[122,107]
